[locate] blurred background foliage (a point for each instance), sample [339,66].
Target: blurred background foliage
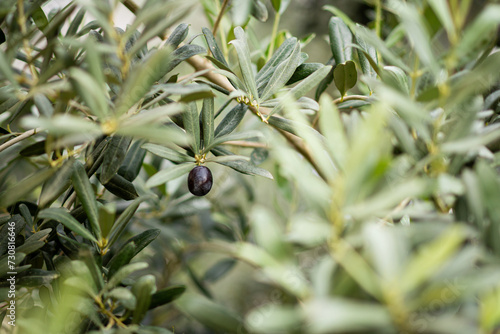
[354,148]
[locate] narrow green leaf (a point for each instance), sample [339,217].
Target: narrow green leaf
[5,265]
[430,257]
[473,195]
[89,89]
[342,315]
[207,118]
[133,161]
[121,187]
[124,219]
[340,40]
[125,272]
[442,10]
[283,73]
[150,116]
[114,155]
[327,80]
[234,136]
[107,213]
[143,239]
[25,213]
[155,20]
[76,22]
[121,259]
[63,125]
[259,11]
[33,150]
[396,78]
[364,60]
[95,64]
[283,124]
[166,295]
[155,133]
[37,277]
[86,195]
[304,103]
[371,38]
[24,187]
[39,17]
[142,78]
[191,122]
[219,64]
[303,87]
[303,71]
[219,269]
[34,242]
[226,158]
[282,53]
[235,81]
[345,76]
[168,153]
[183,53]
[241,46]
[417,33]
[241,165]
[178,35]
[168,174]
[280,5]
[44,105]
[482,27]
[214,47]
[61,215]
[209,313]
[143,288]
[124,296]
[231,120]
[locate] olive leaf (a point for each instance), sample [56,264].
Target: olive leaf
[67,220]
[340,40]
[86,195]
[168,174]
[241,46]
[345,76]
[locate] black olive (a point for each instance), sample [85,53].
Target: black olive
[2,37]
[200,181]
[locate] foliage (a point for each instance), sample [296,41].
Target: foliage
[370,208]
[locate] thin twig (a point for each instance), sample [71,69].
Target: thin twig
[219,17]
[17,139]
[403,204]
[70,201]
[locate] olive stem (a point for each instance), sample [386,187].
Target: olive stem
[19,138]
[219,17]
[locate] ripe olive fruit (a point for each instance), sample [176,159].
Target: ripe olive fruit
[2,37]
[200,181]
